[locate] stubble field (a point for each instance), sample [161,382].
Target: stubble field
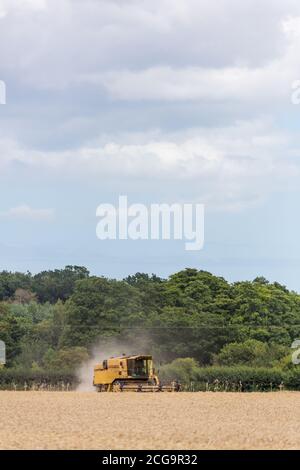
[75,420]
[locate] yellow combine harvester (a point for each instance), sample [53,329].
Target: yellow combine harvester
[129,373]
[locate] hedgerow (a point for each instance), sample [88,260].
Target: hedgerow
[29,379]
[235,378]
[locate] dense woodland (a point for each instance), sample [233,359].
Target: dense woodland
[53,321]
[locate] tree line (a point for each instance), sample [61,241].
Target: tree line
[52,321]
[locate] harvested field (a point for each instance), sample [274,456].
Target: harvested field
[70,420]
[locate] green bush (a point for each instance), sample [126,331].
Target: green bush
[251,353]
[194,377]
[293,379]
[183,369]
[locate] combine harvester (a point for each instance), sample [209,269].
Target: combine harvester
[129,374]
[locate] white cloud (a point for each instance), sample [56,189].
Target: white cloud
[26,212]
[195,83]
[238,164]
[174,54]
[238,83]
[7,6]
[106,36]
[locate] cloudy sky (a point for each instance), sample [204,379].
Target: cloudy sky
[164,101]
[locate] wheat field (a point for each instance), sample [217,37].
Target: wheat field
[87,420]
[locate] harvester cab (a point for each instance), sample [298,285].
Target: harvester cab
[127,373]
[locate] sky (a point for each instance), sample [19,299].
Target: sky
[165,101]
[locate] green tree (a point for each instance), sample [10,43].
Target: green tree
[250,353]
[65,359]
[11,332]
[10,282]
[99,307]
[50,286]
